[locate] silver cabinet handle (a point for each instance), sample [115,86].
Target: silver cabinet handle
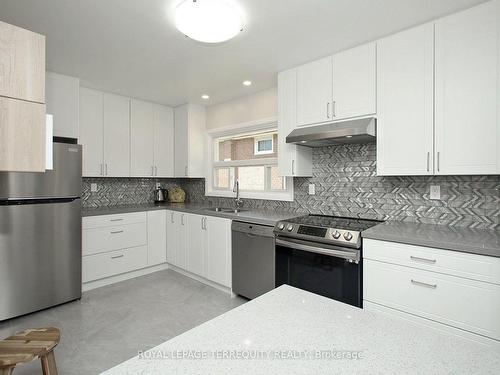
[117,256]
[438,160]
[156,170]
[334,107]
[101,169]
[182,219]
[185,171]
[428,159]
[152,171]
[293,167]
[420,283]
[205,223]
[171,217]
[106,165]
[116,220]
[116,232]
[328,110]
[425,260]
[202,220]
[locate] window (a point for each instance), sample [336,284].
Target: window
[252,159]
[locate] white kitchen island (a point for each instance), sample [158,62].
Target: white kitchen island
[290,331]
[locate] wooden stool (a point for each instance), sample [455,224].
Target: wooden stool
[27,346]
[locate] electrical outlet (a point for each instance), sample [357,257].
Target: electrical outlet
[158,185]
[93,187]
[312,189]
[435,192]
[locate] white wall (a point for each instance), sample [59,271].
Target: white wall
[254,107]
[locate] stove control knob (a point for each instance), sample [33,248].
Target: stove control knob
[281,226]
[289,227]
[348,236]
[336,235]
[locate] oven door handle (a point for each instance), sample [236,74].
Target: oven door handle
[349,255]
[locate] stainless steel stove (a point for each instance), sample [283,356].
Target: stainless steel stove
[322,254]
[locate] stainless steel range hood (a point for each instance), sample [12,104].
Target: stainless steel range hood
[350,131]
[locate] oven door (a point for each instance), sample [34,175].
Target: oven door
[330,271]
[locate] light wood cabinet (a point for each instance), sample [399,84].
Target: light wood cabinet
[467,102]
[157,237]
[354,82]
[293,160]
[190,140]
[22,136]
[104,134]
[405,102]
[314,92]
[22,64]
[152,140]
[63,93]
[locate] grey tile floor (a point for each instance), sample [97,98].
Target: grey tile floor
[110,324]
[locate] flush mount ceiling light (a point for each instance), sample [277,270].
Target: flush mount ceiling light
[205,96]
[247,83]
[208,21]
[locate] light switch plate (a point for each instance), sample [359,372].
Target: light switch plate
[93,187]
[435,192]
[312,189]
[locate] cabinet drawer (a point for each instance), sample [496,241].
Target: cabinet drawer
[99,266]
[112,220]
[471,266]
[442,298]
[100,240]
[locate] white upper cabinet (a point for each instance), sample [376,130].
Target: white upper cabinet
[468,91]
[405,74]
[116,135]
[292,160]
[91,132]
[62,98]
[163,126]
[189,141]
[354,82]
[141,139]
[314,92]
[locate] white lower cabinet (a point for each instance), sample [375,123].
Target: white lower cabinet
[157,237]
[438,285]
[200,245]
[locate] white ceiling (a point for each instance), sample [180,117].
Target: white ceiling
[131,47]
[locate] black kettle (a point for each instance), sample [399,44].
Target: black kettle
[160,195]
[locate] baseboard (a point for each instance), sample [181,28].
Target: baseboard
[122,277]
[223,288]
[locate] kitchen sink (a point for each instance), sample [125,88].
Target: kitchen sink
[225,209]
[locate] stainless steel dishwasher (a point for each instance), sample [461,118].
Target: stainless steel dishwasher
[253,260]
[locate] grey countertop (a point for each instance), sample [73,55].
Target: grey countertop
[287,329]
[265,217]
[475,241]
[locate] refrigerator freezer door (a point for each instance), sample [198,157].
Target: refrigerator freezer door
[40,256]
[65,180]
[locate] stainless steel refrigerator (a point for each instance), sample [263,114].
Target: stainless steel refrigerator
[40,235]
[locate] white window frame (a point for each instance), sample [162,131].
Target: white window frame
[249,127]
[263,138]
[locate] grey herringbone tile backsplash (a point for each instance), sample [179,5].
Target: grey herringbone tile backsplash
[347,185]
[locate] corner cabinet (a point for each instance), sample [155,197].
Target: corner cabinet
[22,100]
[189,141]
[405,101]
[468,91]
[293,160]
[151,140]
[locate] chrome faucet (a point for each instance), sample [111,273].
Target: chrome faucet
[238,201]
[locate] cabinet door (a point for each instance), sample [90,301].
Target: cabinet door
[171,238]
[181,141]
[91,132]
[163,123]
[292,160]
[62,95]
[180,239]
[468,91]
[22,64]
[354,77]
[196,244]
[157,237]
[405,64]
[22,136]
[218,250]
[141,139]
[196,141]
[116,136]
[314,92]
